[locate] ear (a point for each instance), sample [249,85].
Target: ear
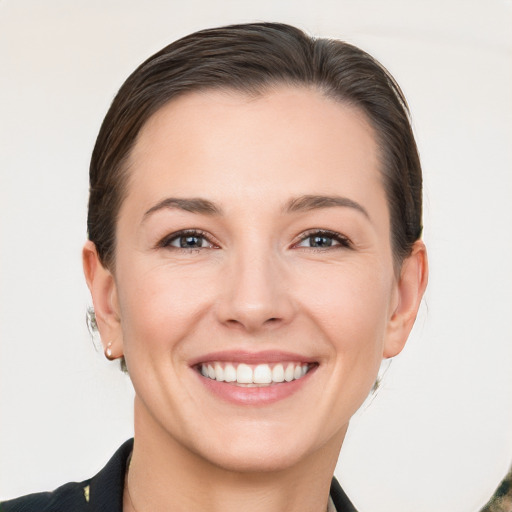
[103,290]
[410,289]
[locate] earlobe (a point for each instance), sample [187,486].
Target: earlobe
[411,287]
[103,290]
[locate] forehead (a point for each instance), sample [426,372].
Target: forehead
[288,141]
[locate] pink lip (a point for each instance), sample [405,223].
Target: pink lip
[255,396]
[240,356]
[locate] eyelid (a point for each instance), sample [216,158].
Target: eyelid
[164,243]
[343,241]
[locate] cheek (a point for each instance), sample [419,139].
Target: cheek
[351,303]
[347,307]
[161,306]
[351,310]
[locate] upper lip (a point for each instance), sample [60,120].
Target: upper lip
[241,356]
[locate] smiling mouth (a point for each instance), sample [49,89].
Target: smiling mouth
[257,375]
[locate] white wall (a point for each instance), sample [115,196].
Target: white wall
[438,436]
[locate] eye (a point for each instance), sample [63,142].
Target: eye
[187,239]
[322,239]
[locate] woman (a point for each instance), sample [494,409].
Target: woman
[254,253]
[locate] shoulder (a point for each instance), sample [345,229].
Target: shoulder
[72,496]
[101,493]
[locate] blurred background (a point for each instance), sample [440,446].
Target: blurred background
[438,435]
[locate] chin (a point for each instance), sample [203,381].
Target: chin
[267,450]
[256,459]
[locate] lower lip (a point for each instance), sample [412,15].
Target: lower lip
[263,395]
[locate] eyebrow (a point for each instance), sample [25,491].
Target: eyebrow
[193,205]
[296,204]
[314,202]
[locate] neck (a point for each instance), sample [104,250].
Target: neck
[163,472]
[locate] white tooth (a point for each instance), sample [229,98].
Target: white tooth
[288,373]
[278,373]
[297,372]
[304,369]
[219,372]
[244,374]
[204,370]
[262,374]
[229,373]
[211,372]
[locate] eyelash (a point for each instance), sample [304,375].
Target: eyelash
[165,243]
[343,241]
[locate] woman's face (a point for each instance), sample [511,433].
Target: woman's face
[253,244]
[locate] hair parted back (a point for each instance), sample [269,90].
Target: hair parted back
[253,58]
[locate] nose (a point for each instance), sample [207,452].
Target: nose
[256,293]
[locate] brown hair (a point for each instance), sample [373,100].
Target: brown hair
[251,58]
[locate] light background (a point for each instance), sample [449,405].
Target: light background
[438,437]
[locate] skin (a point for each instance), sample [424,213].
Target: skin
[255,283]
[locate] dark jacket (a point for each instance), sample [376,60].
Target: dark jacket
[104,492]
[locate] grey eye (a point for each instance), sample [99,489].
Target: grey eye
[186,240]
[320,241]
[324,240]
[189,242]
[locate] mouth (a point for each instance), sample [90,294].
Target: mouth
[254,375]
[254,379]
